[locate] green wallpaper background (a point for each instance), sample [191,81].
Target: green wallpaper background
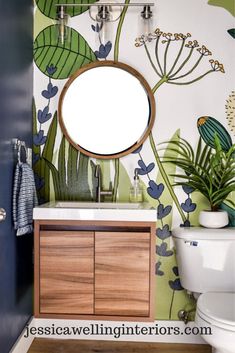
[63,173]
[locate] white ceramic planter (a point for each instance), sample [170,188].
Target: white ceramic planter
[213,219]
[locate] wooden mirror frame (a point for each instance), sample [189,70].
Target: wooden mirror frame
[149,94]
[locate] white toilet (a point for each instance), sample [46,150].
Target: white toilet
[206,261]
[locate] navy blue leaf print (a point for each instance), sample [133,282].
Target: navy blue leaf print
[187,189]
[51,69]
[158,272]
[161,250]
[163,233]
[143,170]
[175,270]
[50,92]
[163,211]
[155,190]
[186,223]
[96,28]
[175,285]
[39,138]
[188,205]
[39,182]
[138,150]
[35,158]
[104,50]
[44,115]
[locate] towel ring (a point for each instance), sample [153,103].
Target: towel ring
[18,144]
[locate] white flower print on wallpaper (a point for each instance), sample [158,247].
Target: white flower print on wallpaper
[189,64]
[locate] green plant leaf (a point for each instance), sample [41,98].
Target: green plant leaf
[223,192]
[48,8]
[36,149]
[124,184]
[231,202]
[116,179]
[165,177]
[169,169]
[55,177]
[50,142]
[84,192]
[72,174]
[211,172]
[67,57]
[209,128]
[47,154]
[226,4]
[105,170]
[94,180]
[62,170]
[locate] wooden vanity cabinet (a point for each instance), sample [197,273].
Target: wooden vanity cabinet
[122,273]
[94,270]
[66,272]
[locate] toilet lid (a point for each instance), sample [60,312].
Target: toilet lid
[218,308]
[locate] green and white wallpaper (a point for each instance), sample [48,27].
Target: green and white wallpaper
[189,64]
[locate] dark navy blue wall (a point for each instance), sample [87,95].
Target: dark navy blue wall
[16,87]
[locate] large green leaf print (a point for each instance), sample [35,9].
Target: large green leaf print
[66,58]
[48,8]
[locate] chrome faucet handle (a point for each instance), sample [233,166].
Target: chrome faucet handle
[108,192]
[99,191]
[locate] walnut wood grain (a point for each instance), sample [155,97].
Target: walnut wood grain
[41,345]
[79,227]
[67,272]
[122,273]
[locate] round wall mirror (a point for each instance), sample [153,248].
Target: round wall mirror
[106,109]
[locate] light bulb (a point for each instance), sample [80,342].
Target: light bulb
[146,23]
[105,32]
[104,18]
[63,30]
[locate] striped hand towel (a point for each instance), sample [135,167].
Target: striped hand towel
[24,199]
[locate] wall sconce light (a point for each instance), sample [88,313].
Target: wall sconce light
[62,22]
[146,20]
[104,13]
[104,17]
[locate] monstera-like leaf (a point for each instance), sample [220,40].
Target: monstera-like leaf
[48,8]
[66,58]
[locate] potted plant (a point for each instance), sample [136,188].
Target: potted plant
[211,171]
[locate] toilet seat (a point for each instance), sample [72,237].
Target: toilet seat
[217,308]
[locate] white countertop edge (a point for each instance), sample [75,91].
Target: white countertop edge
[136,215]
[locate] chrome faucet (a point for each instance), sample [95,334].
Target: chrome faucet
[99,191]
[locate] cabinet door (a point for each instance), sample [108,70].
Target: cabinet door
[122,273]
[67,272]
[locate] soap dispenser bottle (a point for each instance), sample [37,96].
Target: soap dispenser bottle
[136,190]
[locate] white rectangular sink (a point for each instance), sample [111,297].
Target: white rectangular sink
[103,211]
[95,205]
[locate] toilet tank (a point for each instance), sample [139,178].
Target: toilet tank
[206,258]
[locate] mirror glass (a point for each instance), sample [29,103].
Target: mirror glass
[106,109]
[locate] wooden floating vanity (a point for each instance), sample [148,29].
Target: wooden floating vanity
[95,268]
